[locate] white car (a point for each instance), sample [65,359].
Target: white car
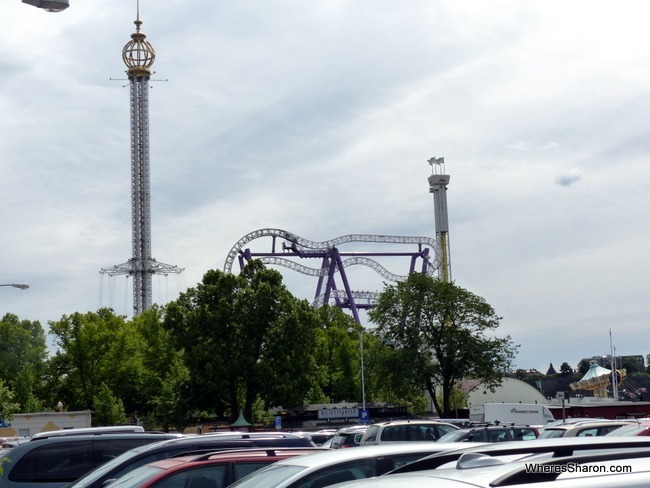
[326,468]
[613,469]
[538,449]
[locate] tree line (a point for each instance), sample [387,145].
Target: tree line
[245,343]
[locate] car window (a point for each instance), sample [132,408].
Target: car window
[587,432]
[338,440]
[552,433]
[444,429]
[371,433]
[108,449]
[361,469]
[393,433]
[608,428]
[500,435]
[213,476]
[53,462]
[269,477]
[244,469]
[401,460]
[524,434]
[476,436]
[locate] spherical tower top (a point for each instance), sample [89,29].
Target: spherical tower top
[138,54]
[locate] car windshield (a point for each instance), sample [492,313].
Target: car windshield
[268,477]
[454,436]
[632,429]
[552,433]
[137,476]
[99,472]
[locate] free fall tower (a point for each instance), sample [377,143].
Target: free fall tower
[138,55]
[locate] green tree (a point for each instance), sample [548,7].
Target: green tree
[96,351]
[565,369]
[8,407]
[161,397]
[438,333]
[23,359]
[337,358]
[244,337]
[107,409]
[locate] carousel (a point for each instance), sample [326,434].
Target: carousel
[597,379]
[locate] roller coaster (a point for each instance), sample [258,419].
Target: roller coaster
[332,280]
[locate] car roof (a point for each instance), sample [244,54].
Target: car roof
[236,455]
[334,456]
[413,421]
[219,437]
[557,447]
[115,429]
[25,446]
[517,473]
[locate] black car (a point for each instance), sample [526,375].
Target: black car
[187,445]
[55,460]
[492,433]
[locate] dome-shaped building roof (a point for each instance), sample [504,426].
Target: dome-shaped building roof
[511,390]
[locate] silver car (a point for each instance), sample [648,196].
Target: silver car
[623,469]
[330,467]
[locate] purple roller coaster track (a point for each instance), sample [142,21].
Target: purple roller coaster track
[424,258]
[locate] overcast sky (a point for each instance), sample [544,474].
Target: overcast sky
[319,118]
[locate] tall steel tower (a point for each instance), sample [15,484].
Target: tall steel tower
[138,55]
[438,182]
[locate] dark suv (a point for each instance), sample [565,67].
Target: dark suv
[53,461]
[186,446]
[492,433]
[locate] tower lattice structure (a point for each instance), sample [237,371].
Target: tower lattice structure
[138,55]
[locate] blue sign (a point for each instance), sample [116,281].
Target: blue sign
[365,417]
[278,422]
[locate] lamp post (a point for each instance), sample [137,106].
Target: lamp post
[363,379]
[49,5]
[22,286]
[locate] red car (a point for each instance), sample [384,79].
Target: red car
[211,470]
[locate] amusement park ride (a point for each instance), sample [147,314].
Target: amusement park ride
[426,254]
[597,379]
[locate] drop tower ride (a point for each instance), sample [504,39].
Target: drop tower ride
[138,55]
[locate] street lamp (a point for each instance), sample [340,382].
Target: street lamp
[22,286]
[363,380]
[49,5]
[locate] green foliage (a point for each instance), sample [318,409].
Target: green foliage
[23,356]
[337,355]
[107,409]
[438,333]
[244,337]
[8,407]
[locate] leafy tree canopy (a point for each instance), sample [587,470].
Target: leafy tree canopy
[244,337]
[441,334]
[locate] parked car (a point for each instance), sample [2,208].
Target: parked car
[322,436]
[597,470]
[583,429]
[200,444]
[348,437]
[57,460]
[634,429]
[492,433]
[406,431]
[212,470]
[335,465]
[534,450]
